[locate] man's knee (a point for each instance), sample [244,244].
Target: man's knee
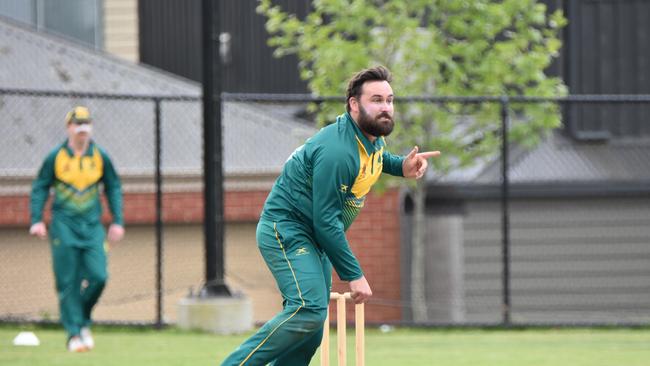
[65,282]
[313,319]
[97,279]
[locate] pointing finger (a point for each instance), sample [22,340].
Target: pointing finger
[428,154]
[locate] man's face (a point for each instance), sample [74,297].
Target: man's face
[375,108]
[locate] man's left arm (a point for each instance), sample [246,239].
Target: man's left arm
[113,191]
[392,164]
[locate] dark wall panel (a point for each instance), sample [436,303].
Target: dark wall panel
[253,67]
[170,36]
[608,53]
[170,39]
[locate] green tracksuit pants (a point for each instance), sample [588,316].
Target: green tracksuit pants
[79,261]
[304,276]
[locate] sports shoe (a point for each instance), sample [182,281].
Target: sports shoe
[87,338]
[75,344]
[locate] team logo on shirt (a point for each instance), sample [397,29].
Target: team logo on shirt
[302,251]
[344,188]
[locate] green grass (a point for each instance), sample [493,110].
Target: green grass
[539,347]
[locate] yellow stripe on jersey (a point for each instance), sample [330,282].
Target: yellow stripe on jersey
[79,172]
[370,167]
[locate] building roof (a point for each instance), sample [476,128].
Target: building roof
[561,159]
[43,61]
[255,142]
[558,166]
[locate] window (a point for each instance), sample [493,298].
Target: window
[79,20]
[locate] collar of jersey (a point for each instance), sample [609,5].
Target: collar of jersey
[369,146]
[89,150]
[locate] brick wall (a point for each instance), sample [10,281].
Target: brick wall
[14,211]
[375,240]
[187,207]
[374,236]
[140,208]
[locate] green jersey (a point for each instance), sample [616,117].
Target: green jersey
[76,185]
[323,186]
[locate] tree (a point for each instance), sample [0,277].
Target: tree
[433,47]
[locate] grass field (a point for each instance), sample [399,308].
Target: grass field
[539,347]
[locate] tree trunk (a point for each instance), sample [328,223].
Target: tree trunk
[418,255]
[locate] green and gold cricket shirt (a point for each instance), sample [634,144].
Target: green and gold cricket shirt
[323,186]
[76,181]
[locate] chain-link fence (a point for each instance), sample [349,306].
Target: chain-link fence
[127,126]
[555,233]
[32,126]
[561,237]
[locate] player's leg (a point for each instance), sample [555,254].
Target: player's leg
[66,260]
[296,266]
[94,271]
[303,353]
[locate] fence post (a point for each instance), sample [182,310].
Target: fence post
[505,219]
[159,223]
[213,225]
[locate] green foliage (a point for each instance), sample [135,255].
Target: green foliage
[433,47]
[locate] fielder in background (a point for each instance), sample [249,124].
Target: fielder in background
[75,170]
[301,232]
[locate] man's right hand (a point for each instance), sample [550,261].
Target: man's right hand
[39,229]
[360,290]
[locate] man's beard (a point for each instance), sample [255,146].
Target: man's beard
[374,126]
